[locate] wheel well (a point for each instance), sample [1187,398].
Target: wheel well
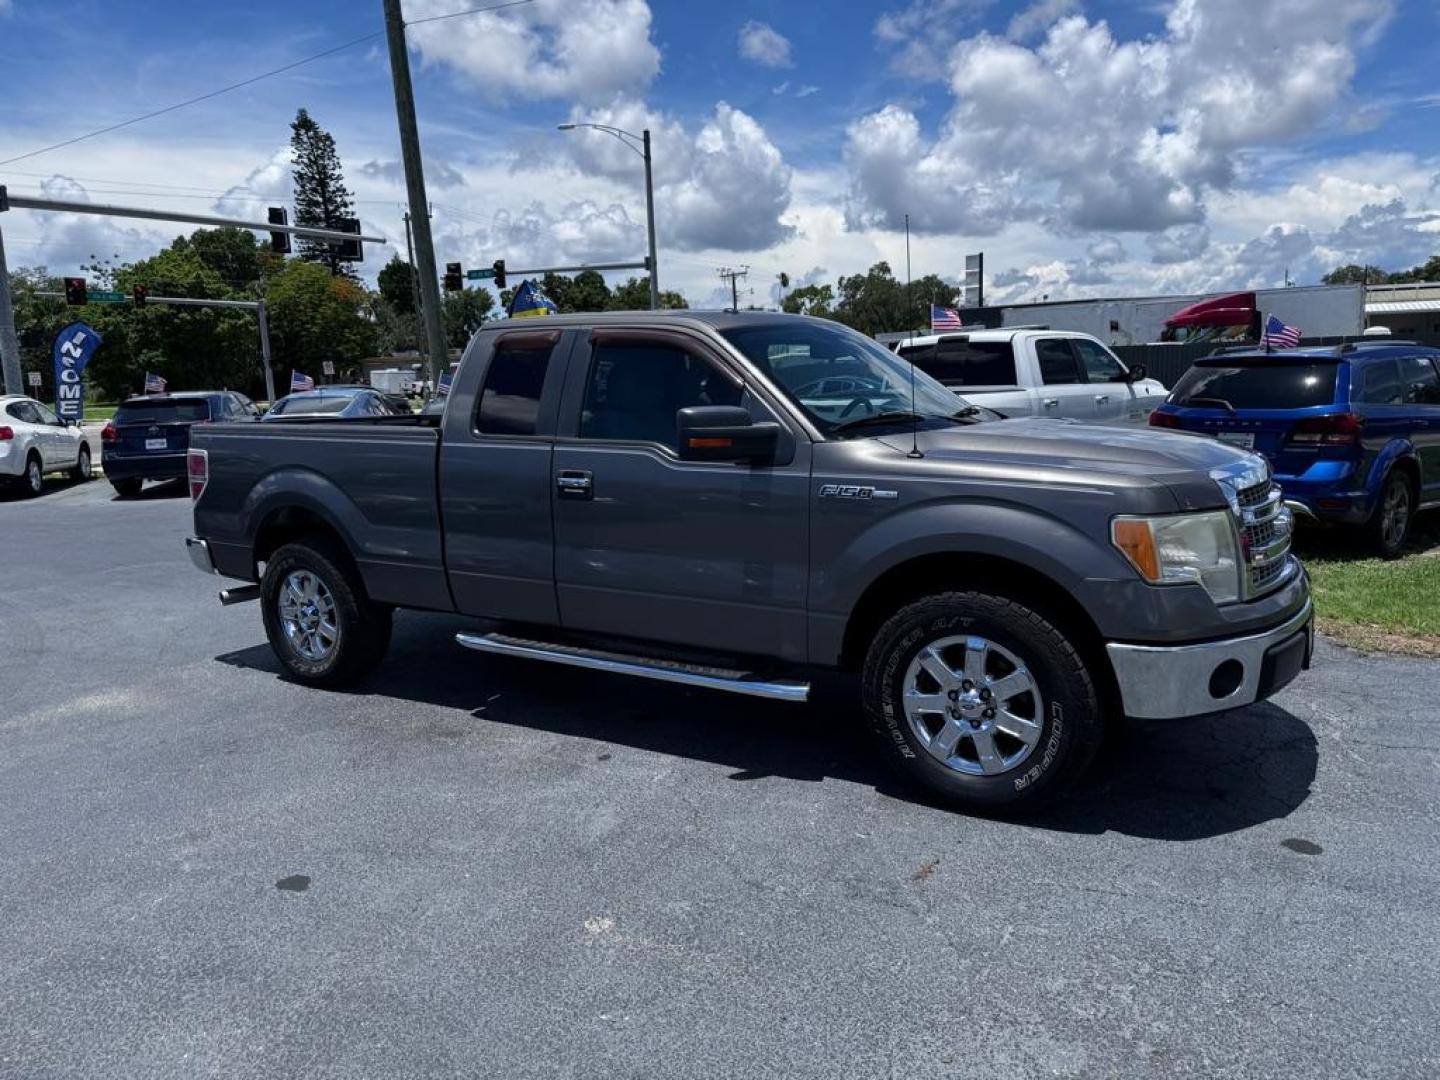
[1412,473]
[951,571]
[289,524]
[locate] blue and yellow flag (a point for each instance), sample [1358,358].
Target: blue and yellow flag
[529,300]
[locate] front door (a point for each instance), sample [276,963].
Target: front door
[1114,396]
[652,547]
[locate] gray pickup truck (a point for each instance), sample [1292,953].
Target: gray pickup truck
[735,501]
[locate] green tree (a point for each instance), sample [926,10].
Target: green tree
[634,295]
[1426,271]
[396,281]
[463,314]
[316,317]
[816,300]
[1352,274]
[874,302]
[321,197]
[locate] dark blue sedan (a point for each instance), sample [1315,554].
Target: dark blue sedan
[1351,431]
[338,403]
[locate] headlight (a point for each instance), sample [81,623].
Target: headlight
[1183,549]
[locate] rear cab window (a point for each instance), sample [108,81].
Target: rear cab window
[510,397]
[170,411]
[961,362]
[1263,384]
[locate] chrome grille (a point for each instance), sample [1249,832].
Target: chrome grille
[1265,527]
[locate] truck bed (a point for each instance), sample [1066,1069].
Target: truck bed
[372,479]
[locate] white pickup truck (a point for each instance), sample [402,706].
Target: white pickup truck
[1037,373]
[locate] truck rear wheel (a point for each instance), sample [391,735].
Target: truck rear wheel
[321,626]
[982,701]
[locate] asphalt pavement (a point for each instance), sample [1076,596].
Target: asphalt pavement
[484,867]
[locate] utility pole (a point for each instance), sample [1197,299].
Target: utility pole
[415,190]
[733,276]
[9,343]
[650,224]
[410,253]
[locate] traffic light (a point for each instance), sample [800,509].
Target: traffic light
[140,293]
[279,241]
[454,278]
[499,269]
[76,293]
[349,250]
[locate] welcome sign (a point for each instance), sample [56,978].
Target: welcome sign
[73,348]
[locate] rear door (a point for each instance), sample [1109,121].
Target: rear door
[706,554]
[62,444]
[1062,387]
[1421,379]
[495,480]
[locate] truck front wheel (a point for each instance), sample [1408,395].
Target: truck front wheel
[320,624]
[981,701]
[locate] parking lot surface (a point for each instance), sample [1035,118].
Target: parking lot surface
[484,867]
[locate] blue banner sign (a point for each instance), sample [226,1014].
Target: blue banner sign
[73,348]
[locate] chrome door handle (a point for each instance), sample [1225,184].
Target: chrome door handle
[575,483]
[1101,399]
[1050,402]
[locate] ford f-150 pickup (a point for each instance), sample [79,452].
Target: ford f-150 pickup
[735,501]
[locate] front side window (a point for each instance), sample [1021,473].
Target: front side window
[510,399]
[636,388]
[1420,381]
[1057,362]
[1100,366]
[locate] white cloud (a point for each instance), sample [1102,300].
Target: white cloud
[1039,17]
[806,90]
[1088,132]
[582,50]
[438,173]
[271,183]
[762,44]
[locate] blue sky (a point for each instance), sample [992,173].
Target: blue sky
[1087,148]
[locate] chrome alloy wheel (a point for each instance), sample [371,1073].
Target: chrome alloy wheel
[1395,514]
[34,477]
[307,613]
[973,705]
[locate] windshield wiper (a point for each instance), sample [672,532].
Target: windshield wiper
[1211,401]
[878,418]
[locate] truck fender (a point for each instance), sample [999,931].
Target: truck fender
[304,489]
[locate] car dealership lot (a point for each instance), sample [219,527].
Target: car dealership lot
[489,867]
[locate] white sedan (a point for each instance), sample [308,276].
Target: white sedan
[34,441]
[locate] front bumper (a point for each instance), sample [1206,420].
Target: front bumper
[1174,681]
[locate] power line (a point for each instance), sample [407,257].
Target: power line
[248,82]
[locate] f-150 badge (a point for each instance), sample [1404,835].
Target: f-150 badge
[855,491]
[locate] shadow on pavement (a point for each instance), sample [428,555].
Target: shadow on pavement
[163,489]
[1182,780]
[11,491]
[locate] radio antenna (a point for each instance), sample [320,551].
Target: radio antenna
[909,299]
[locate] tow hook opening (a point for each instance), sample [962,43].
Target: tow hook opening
[1226,679]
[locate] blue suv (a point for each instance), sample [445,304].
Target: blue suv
[1352,432]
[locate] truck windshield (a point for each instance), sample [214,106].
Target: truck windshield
[837,376]
[1263,384]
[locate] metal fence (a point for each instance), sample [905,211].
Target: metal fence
[1168,362]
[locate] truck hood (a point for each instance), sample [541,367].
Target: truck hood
[1069,450]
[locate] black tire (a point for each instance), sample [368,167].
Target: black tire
[32,482]
[362,628]
[1067,709]
[1388,529]
[127,488]
[83,466]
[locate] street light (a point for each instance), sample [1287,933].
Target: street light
[629,138]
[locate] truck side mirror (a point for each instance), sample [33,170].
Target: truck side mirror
[724,433]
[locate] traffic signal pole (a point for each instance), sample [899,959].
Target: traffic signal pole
[9,343]
[415,190]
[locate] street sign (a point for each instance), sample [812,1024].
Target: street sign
[34,377]
[328,367]
[96,296]
[479,275]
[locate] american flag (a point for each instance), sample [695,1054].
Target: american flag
[1279,336]
[154,384]
[300,381]
[944,318]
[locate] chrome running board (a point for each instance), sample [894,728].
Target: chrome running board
[709,678]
